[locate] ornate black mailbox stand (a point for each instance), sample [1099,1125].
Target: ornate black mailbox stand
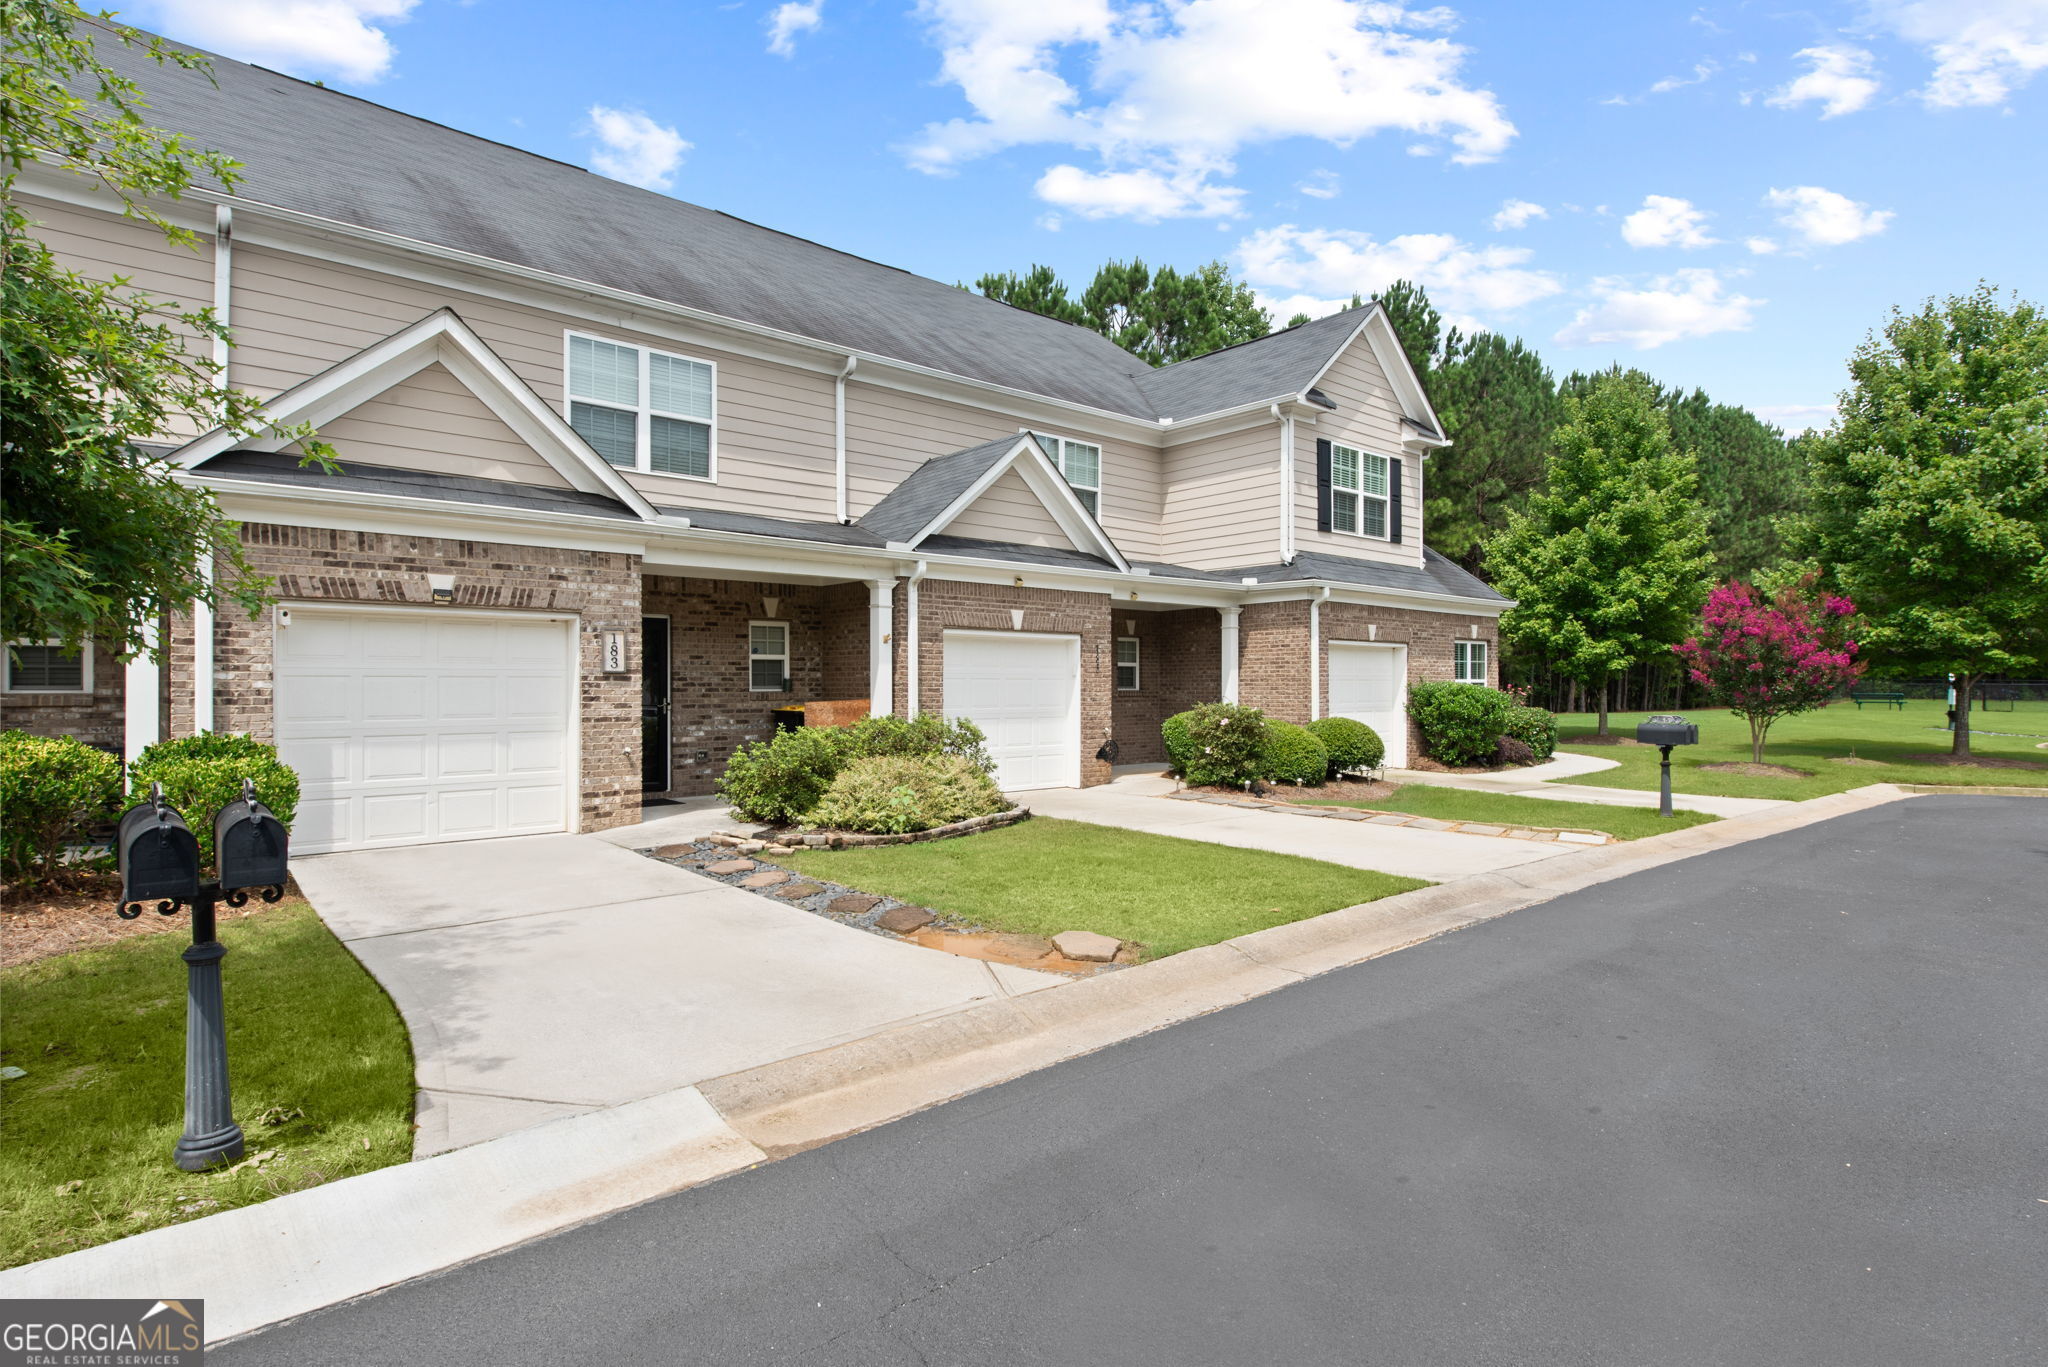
[1665,731]
[160,863]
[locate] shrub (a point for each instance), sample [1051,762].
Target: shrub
[1535,728]
[202,774]
[779,779]
[1219,742]
[1513,750]
[1460,722]
[891,794]
[1352,744]
[926,734]
[52,790]
[1294,755]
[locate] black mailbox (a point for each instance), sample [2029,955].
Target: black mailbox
[158,853]
[1667,730]
[249,843]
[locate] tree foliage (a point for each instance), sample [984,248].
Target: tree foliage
[1769,656]
[1499,405]
[100,539]
[1928,500]
[1416,322]
[1609,562]
[1159,316]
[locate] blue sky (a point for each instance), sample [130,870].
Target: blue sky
[1728,195]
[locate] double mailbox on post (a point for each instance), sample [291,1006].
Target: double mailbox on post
[1665,730]
[159,855]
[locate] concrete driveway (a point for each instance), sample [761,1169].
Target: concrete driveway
[1135,801]
[548,975]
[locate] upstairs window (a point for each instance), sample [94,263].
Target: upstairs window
[768,657]
[1126,664]
[40,668]
[641,409]
[1468,661]
[1358,492]
[1080,463]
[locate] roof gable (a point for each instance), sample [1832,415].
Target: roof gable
[938,492]
[1008,510]
[434,423]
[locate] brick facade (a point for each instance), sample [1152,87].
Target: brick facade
[97,718]
[944,603]
[316,564]
[1180,664]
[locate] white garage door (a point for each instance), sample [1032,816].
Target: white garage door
[408,727]
[1369,683]
[1025,692]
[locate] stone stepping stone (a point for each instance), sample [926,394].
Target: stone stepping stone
[1086,946]
[1581,838]
[853,904]
[674,851]
[903,920]
[730,866]
[1021,946]
[1342,815]
[796,892]
[767,878]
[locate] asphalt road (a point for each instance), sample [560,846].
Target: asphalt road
[1782,1104]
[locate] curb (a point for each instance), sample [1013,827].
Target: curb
[299,1253]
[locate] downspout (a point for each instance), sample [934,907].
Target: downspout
[910,670]
[1286,421]
[1315,652]
[839,434]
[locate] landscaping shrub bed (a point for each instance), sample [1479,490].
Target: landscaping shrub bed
[882,775]
[52,791]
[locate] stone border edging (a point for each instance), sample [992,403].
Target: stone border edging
[1568,835]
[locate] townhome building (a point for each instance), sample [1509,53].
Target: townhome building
[623,481]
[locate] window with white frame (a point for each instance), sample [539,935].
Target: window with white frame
[1081,463]
[642,409]
[1127,664]
[1468,661]
[1358,492]
[768,657]
[40,667]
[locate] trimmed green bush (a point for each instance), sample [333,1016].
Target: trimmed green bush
[52,789]
[1352,744]
[1461,723]
[1218,742]
[1535,728]
[202,774]
[926,734]
[1513,750]
[779,779]
[892,794]
[1294,755]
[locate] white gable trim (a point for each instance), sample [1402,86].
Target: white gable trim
[1379,334]
[440,337]
[1051,488]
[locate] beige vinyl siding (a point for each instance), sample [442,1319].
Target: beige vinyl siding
[1008,511]
[1223,500]
[1368,418]
[432,422]
[890,432]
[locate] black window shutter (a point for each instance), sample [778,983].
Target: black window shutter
[1394,499]
[1322,484]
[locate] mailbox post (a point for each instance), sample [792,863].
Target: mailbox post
[159,860]
[1665,731]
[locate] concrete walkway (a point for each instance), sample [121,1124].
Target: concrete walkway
[550,975]
[1542,780]
[1133,801]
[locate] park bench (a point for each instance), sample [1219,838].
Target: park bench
[1860,697]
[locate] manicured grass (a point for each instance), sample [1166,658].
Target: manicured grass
[1044,876]
[1505,809]
[320,1065]
[1817,742]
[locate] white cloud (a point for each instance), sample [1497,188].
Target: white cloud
[787,21]
[1146,195]
[1313,270]
[1839,79]
[343,39]
[1983,50]
[1517,213]
[1686,303]
[1172,91]
[1795,418]
[634,148]
[1701,72]
[1321,185]
[1824,218]
[1666,221]
[1761,246]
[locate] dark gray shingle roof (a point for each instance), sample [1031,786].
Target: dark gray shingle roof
[1437,574]
[931,488]
[753,524]
[1060,556]
[282,468]
[1273,367]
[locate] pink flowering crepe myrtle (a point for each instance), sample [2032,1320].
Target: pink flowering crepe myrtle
[1766,658]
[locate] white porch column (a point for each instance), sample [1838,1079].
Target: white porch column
[881,667]
[140,689]
[202,656]
[1229,615]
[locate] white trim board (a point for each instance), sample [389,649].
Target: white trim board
[1043,478]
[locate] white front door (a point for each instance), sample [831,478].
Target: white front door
[1369,683]
[407,727]
[1024,691]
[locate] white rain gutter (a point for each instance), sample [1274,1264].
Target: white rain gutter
[1286,421]
[910,638]
[839,433]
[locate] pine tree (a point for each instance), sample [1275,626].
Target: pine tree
[1416,322]
[1159,316]
[1499,405]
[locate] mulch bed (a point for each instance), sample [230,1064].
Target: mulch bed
[1339,790]
[43,922]
[1977,762]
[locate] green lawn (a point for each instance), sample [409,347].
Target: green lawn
[1044,876]
[320,1065]
[1463,804]
[1818,742]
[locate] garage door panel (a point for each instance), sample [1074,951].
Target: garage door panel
[1368,683]
[534,698]
[392,640]
[389,758]
[533,808]
[394,817]
[322,822]
[317,759]
[468,811]
[317,698]
[1022,691]
[532,752]
[469,644]
[462,755]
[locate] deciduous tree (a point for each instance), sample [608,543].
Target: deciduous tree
[1765,657]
